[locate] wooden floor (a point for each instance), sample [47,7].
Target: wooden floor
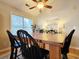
[70,56]
[74,54]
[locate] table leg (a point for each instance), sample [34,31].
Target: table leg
[55,52]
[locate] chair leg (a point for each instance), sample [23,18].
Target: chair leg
[12,52]
[15,53]
[64,56]
[47,57]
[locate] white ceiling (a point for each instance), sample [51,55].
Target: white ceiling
[58,6]
[20,4]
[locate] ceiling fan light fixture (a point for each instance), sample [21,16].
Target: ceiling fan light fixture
[40,5]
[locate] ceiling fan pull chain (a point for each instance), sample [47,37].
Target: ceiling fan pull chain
[40,10]
[40,0]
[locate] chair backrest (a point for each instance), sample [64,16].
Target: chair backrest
[12,39]
[67,42]
[32,50]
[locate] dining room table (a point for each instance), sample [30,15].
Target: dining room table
[55,42]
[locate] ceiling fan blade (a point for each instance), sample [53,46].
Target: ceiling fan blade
[47,6]
[34,1]
[32,7]
[45,0]
[27,5]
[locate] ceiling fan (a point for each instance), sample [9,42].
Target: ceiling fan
[40,4]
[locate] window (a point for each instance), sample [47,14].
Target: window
[19,22]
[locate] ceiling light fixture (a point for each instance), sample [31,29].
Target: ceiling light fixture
[40,4]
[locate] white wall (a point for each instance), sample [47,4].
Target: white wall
[5,24]
[67,11]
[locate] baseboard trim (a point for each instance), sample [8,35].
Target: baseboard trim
[74,50]
[4,51]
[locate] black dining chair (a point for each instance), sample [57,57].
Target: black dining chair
[15,44]
[66,45]
[31,50]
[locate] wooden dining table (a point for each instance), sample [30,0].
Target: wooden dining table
[54,41]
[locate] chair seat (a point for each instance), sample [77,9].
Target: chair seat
[44,51]
[34,50]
